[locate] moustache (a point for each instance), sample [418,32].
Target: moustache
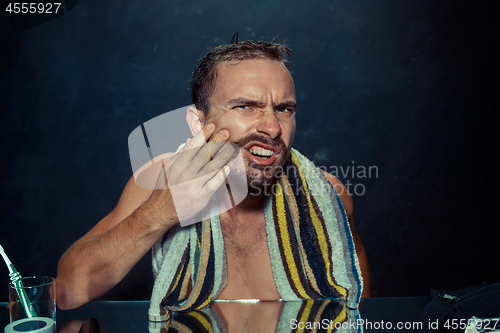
[254,137]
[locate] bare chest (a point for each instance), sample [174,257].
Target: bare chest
[245,239]
[249,272]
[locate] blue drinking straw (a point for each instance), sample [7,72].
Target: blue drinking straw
[15,277]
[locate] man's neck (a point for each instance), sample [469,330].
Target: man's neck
[251,205]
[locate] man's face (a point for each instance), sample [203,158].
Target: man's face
[255,101]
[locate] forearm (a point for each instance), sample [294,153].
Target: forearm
[96,263]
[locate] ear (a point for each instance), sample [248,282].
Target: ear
[195,119]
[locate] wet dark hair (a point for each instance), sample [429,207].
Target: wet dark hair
[204,77]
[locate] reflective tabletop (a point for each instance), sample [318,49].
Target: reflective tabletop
[375,314]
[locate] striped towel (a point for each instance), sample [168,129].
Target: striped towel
[310,244]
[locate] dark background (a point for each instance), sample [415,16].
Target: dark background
[408,87]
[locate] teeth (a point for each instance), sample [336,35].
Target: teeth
[256,150]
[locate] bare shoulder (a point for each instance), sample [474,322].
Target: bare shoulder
[342,192]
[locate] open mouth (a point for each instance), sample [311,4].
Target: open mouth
[260,153]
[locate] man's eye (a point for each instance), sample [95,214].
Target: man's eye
[283,110]
[244,107]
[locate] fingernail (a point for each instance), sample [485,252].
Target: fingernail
[224,134]
[210,126]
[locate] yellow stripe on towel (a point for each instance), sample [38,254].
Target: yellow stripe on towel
[305,315]
[340,318]
[320,232]
[202,320]
[185,283]
[285,240]
[201,270]
[294,210]
[207,301]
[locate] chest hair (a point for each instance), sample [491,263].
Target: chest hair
[244,238]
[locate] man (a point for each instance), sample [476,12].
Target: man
[244,95]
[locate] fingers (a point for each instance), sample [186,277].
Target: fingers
[215,182]
[207,135]
[197,155]
[189,151]
[212,147]
[221,136]
[205,161]
[202,137]
[223,156]
[208,130]
[205,156]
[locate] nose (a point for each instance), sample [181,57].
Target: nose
[269,124]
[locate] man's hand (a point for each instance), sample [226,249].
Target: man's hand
[188,179]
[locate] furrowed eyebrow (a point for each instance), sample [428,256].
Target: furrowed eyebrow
[288,105]
[243,101]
